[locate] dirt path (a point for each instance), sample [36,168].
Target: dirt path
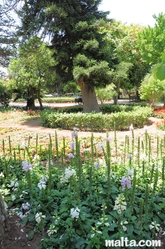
[33,127]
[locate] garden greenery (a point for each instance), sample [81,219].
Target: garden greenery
[96,121]
[80,192]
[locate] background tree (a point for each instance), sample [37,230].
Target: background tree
[128,63]
[106,93]
[32,71]
[8,38]
[73,29]
[152,41]
[120,78]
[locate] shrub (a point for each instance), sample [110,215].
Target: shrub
[151,89]
[96,121]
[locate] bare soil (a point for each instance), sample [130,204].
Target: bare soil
[21,126]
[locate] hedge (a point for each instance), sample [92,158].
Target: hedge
[96,121]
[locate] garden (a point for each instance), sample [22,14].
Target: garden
[78,187]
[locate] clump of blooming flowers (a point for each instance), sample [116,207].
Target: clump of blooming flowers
[74,133]
[26,206]
[26,166]
[125,182]
[42,183]
[120,204]
[74,213]
[68,173]
[39,216]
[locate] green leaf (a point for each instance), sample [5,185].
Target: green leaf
[31,235]
[24,221]
[160,73]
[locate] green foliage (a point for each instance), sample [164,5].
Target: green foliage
[89,195]
[74,31]
[91,72]
[5,94]
[128,65]
[94,121]
[152,40]
[106,93]
[31,72]
[151,89]
[72,87]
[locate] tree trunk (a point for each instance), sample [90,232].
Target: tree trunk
[115,100]
[39,100]
[89,98]
[31,94]
[30,105]
[3,219]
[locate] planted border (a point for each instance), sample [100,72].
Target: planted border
[96,121]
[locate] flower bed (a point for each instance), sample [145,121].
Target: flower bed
[87,190]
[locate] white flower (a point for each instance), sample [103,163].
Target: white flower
[124,223]
[100,145]
[130,172]
[131,127]
[51,230]
[42,183]
[74,212]
[97,165]
[145,128]
[120,203]
[39,217]
[67,175]
[1,174]
[155,226]
[14,183]
[24,144]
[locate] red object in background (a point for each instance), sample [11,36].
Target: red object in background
[160,111]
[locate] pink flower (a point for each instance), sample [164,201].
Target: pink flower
[26,166]
[72,145]
[125,182]
[70,155]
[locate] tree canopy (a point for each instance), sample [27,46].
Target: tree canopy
[7,32]
[73,29]
[32,71]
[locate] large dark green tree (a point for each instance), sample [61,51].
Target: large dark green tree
[7,31]
[73,29]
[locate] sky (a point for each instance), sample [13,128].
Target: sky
[134,11]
